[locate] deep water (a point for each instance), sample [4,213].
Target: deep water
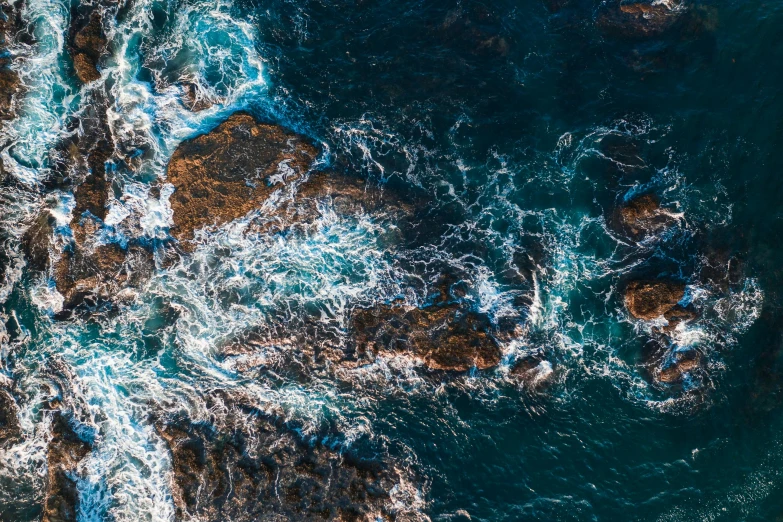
[513,130]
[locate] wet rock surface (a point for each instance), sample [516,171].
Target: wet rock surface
[250,466]
[679,364]
[649,300]
[442,336]
[641,217]
[11,26]
[36,241]
[533,371]
[636,20]
[94,275]
[222,175]
[10,430]
[194,98]
[87,41]
[66,451]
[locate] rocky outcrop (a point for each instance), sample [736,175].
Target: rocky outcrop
[66,450]
[88,42]
[636,20]
[442,336]
[224,174]
[36,241]
[194,98]
[641,217]
[533,371]
[650,300]
[11,26]
[680,363]
[93,275]
[10,430]
[250,466]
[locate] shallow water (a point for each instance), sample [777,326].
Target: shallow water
[513,131]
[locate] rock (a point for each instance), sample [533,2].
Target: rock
[442,336]
[249,466]
[222,175]
[96,275]
[88,43]
[636,20]
[66,450]
[642,216]
[533,371]
[85,68]
[679,314]
[36,241]
[10,431]
[10,86]
[681,363]
[649,300]
[193,98]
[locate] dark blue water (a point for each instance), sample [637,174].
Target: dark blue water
[513,131]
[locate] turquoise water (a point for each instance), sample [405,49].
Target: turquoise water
[514,131]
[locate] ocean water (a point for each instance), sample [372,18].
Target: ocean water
[512,130]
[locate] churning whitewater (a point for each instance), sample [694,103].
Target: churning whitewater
[314,260]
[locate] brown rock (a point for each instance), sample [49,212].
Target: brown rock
[641,217]
[86,69]
[649,300]
[682,363]
[444,336]
[36,241]
[677,315]
[533,371]
[66,450]
[88,44]
[636,20]
[10,431]
[97,275]
[193,99]
[10,86]
[250,467]
[222,175]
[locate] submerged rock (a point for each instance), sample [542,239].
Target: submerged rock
[250,466]
[642,216]
[649,300]
[639,19]
[66,451]
[442,336]
[222,175]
